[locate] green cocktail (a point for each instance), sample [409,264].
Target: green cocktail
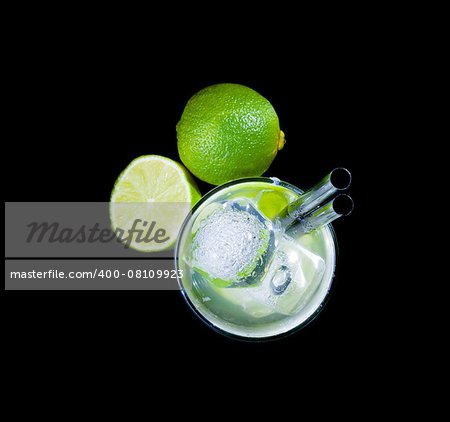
[247,271]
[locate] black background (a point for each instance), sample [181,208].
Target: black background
[83,109]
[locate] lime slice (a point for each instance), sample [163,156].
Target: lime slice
[150,201]
[271,203]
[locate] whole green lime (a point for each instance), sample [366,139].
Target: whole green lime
[228,131]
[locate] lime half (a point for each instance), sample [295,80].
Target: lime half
[150,201]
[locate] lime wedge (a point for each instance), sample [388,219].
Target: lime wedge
[271,203]
[150,201]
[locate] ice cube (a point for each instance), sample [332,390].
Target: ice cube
[232,243]
[293,276]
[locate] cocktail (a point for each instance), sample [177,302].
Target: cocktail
[258,255]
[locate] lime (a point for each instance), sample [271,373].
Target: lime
[228,131]
[271,203]
[150,201]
